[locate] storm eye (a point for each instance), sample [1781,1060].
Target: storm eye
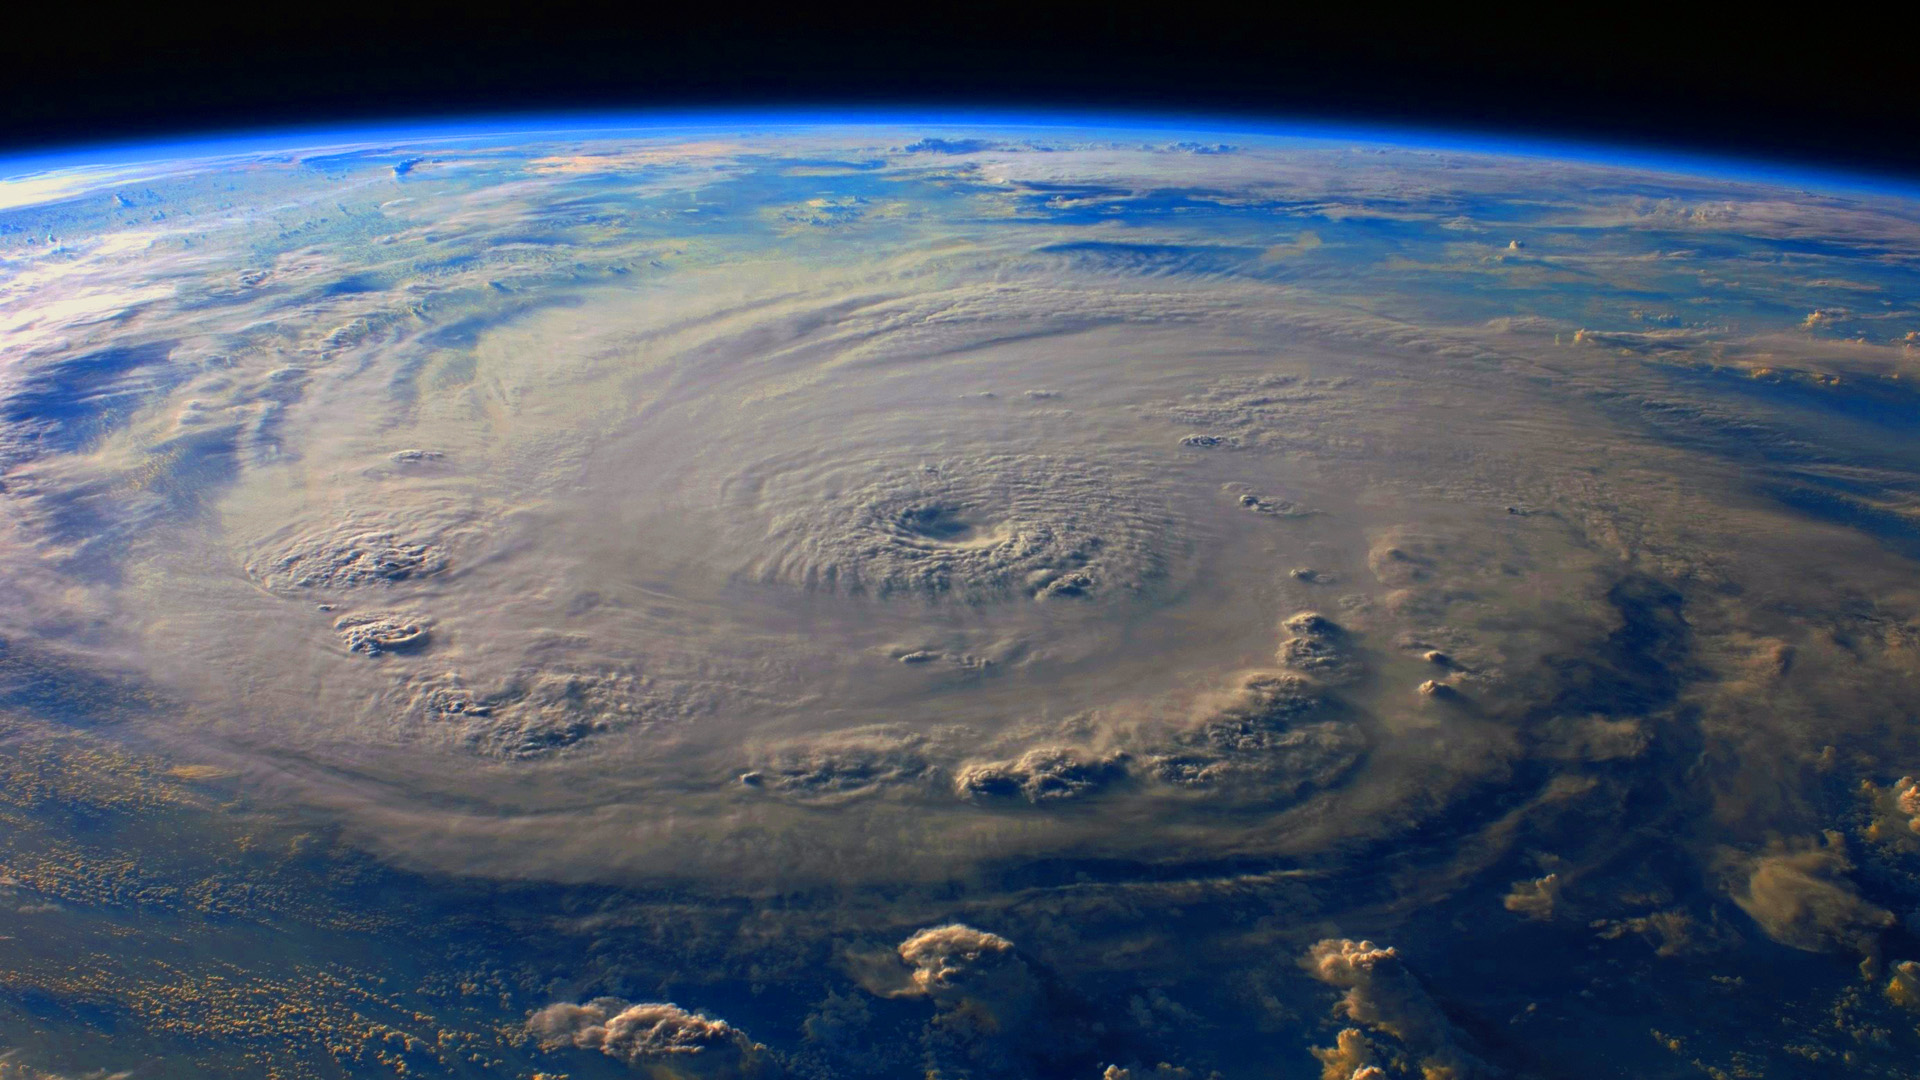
[973,529]
[940,522]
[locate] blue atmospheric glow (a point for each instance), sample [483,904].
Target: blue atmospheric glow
[302,140]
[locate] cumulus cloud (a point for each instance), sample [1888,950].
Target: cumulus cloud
[1351,1057]
[1383,995]
[994,1012]
[535,712]
[662,1040]
[1160,1071]
[1799,894]
[1903,985]
[1318,647]
[972,971]
[378,632]
[1895,810]
[346,557]
[1651,341]
[844,765]
[1672,932]
[1046,774]
[1534,899]
[1273,738]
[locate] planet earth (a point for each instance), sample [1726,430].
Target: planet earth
[769,596]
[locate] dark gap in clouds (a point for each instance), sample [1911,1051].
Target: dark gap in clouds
[353,285]
[1893,407]
[1153,260]
[1639,669]
[40,684]
[1818,499]
[74,401]
[1791,430]
[949,146]
[1734,86]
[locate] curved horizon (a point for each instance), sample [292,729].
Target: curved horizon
[214,144]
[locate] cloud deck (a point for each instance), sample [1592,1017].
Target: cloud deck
[1051,604]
